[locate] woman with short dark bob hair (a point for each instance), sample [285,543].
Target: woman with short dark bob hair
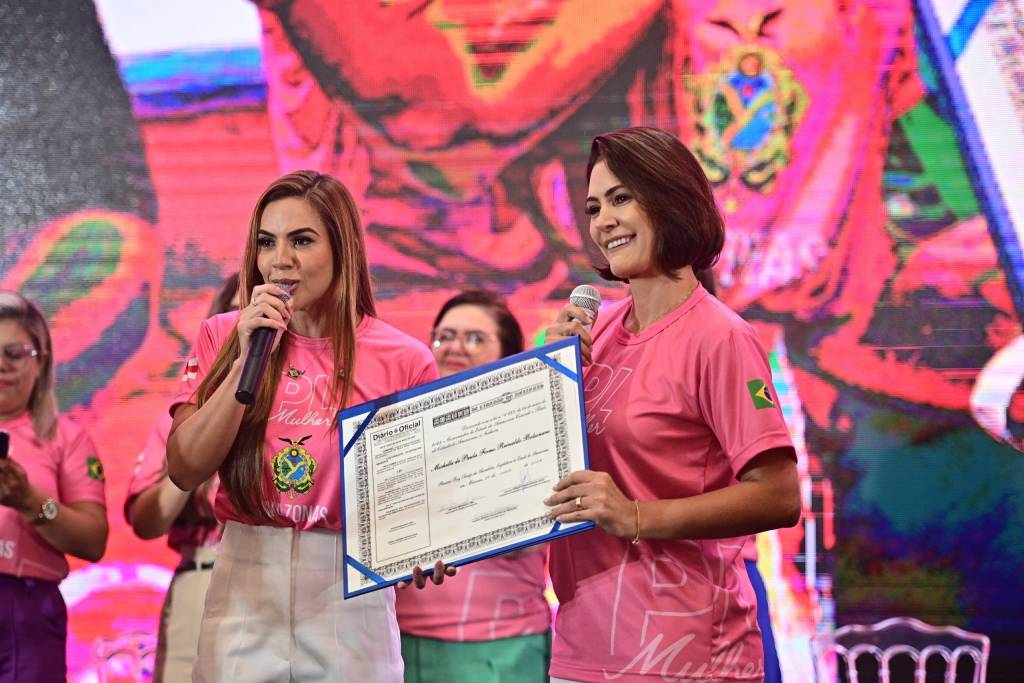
[689,453]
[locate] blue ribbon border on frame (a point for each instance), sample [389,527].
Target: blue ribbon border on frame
[369,409]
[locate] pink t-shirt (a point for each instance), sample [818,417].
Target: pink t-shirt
[496,598]
[301,453]
[66,468]
[674,411]
[150,469]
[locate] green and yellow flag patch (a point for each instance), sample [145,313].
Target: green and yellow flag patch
[759,394]
[95,468]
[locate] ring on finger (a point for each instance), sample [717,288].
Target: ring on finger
[579,503]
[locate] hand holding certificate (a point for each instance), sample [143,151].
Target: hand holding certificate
[458,469]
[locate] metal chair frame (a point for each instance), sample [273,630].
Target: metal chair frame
[850,642]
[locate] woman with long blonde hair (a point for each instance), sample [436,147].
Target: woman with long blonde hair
[274,611]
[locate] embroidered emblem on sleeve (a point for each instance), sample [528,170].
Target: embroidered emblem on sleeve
[191,370]
[759,394]
[94,468]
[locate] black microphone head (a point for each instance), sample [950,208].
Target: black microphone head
[586,297]
[5,443]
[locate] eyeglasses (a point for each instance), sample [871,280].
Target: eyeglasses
[15,354]
[471,339]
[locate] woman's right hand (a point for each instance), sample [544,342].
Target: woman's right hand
[568,324]
[265,309]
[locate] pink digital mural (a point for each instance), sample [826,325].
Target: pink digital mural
[864,243]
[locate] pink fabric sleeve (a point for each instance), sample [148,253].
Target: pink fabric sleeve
[427,372]
[151,465]
[204,352]
[80,475]
[745,424]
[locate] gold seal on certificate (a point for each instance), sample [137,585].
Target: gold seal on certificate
[458,469]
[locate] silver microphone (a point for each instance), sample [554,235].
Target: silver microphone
[587,298]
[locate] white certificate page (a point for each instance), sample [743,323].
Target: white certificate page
[458,469]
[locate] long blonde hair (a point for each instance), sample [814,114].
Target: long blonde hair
[349,298]
[42,402]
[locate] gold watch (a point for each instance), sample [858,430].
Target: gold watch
[47,511]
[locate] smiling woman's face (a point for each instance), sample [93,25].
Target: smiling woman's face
[295,251]
[19,369]
[619,226]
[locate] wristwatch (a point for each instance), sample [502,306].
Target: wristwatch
[47,511]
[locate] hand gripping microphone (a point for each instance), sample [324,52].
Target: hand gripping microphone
[260,344]
[587,298]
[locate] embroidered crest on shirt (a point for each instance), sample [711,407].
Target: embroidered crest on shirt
[294,468]
[759,394]
[191,370]
[94,468]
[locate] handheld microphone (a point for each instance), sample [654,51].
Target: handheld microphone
[587,298]
[5,444]
[260,344]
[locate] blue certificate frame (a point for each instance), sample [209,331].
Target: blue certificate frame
[402,409]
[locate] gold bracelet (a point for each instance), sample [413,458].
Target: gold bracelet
[636,539]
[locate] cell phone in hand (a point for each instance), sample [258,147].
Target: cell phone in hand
[5,444]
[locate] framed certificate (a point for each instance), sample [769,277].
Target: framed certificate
[458,469]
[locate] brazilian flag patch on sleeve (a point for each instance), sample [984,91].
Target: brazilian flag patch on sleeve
[95,468]
[759,394]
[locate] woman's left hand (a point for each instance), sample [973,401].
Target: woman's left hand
[15,491]
[589,496]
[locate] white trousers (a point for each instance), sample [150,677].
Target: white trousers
[275,612]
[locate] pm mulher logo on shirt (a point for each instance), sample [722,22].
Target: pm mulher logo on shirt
[759,394]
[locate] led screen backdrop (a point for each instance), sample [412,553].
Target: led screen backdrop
[862,172]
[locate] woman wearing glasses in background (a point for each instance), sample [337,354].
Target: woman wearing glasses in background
[493,623]
[51,500]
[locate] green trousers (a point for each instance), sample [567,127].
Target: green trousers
[523,659]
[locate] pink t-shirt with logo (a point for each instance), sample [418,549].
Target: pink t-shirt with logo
[495,598]
[303,481]
[68,469]
[150,469]
[674,411]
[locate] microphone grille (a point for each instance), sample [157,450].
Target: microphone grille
[586,297]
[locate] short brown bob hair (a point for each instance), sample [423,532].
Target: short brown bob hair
[671,188]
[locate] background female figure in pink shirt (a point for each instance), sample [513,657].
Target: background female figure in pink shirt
[493,623]
[51,500]
[275,609]
[154,507]
[688,448]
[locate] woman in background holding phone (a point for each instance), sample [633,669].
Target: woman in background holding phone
[51,500]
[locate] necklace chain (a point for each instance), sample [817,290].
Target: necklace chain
[668,310]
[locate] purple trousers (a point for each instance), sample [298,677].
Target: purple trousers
[33,631]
